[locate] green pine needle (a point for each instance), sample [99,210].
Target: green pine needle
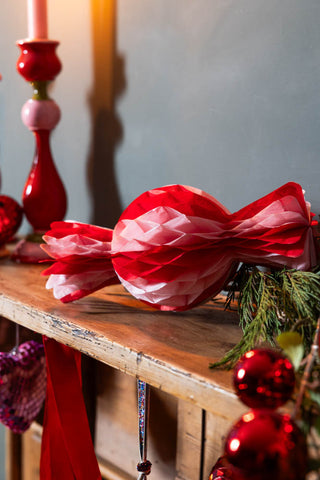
[270,303]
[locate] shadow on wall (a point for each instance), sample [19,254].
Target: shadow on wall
[107,131]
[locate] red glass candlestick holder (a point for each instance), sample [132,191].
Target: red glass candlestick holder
[44,197]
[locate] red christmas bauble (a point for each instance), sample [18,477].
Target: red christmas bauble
[10,218]
[264,378]
[267,444]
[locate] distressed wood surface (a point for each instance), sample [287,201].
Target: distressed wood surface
[216,429]
[171,351]
[13,467]
[189,442]
[31,451]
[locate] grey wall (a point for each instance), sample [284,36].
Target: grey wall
[219,94]
[222,95]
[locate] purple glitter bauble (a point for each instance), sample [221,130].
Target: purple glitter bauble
[22,385]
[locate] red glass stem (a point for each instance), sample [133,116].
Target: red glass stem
[44,197]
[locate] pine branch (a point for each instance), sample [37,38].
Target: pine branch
[302,294]
[259,315]
[270,303]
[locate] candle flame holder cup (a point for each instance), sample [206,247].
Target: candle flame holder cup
[44,198]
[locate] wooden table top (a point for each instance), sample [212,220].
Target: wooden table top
[171,351]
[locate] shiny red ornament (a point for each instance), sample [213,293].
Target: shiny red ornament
[264,378]
[10,218]
[267,444]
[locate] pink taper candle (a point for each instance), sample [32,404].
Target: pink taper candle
[37,19]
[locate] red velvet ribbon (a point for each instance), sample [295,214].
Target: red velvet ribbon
[67,451]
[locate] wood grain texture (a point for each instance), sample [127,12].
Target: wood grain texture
[171,351]
[215,432]
[189,444]
[30,456]
[13,467]
[111,472]
[31,451]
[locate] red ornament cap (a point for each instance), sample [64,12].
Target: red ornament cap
[267,444]
[264,378]
[10,218]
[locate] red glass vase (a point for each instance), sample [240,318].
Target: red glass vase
[44,197]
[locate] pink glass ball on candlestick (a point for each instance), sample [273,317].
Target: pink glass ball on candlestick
[267,444]
[40,114]
[264,378]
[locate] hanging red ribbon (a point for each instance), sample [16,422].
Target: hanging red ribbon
[67,451]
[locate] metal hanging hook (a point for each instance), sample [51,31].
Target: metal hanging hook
[144,467]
